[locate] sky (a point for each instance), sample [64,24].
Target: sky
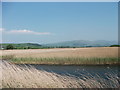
[50,22]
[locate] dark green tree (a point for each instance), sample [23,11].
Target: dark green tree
[28,47]
[115,46]
[9,47]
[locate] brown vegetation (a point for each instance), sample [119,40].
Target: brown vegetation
[64,52]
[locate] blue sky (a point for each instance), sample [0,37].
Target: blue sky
[51,22]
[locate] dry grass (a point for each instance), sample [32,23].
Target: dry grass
[19,77]
[64,52]
[64,56]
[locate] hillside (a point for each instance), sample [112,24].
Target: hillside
[66,44]
[22,45]
[83,43]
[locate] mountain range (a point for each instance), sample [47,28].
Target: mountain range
[74,43]
[84,43]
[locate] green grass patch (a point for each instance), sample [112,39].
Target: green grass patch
[67,61]
[7,57]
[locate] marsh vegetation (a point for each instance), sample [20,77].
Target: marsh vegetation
[65,56]
[15,76]
[19,77]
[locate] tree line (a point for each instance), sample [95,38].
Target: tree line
[10,47]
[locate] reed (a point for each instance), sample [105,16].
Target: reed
[14,76]
[7,57]
[64,56]
[68,61]
[100,52]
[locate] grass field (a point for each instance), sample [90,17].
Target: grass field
[14,76]
[64,56]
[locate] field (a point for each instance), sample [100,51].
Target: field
[64,56]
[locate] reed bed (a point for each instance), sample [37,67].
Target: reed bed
[67,61]
[63,52]
[64,56]
[14,76]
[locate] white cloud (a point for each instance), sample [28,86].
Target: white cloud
[24,31]
[2,29]
[21,31]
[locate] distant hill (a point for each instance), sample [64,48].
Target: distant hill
[66,44]
[22,45]
[83,43]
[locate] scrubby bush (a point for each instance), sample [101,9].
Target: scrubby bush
[9,47]
[115,46]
